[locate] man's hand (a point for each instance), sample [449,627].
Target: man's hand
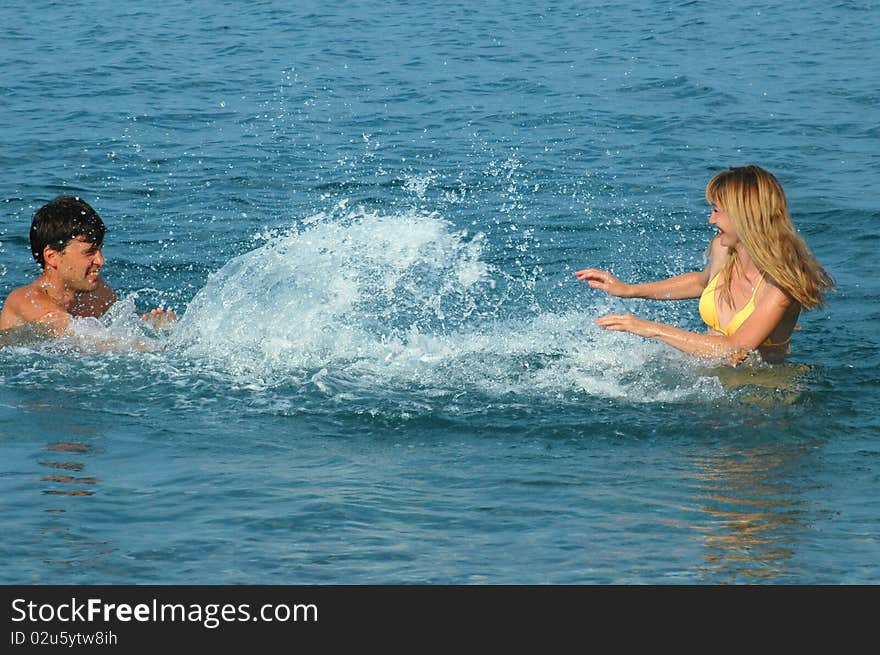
[160,318]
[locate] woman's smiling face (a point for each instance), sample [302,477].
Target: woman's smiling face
[724,225]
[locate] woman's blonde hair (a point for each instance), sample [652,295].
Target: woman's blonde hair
[755,202]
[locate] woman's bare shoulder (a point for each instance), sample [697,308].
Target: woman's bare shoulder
[775,292]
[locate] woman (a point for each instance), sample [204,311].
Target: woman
[759,275]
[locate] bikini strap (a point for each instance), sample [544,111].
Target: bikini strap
[758,286]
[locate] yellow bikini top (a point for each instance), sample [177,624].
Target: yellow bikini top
[709,312]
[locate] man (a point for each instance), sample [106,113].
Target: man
[66,240]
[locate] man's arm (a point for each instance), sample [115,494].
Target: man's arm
[28,305]
[26,333]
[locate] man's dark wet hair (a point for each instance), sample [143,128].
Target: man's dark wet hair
[60,221]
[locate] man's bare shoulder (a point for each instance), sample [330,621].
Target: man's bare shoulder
[29,303]
[10,315]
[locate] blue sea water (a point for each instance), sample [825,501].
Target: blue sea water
[367,215]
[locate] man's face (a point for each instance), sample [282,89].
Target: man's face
[78,264]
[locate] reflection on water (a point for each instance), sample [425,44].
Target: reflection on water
[763,384]
[66,479]
[753,514]
[65,462]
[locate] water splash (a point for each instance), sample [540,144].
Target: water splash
[399,310]
[335,288]
[366,302]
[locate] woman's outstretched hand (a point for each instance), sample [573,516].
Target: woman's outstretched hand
[604,281]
